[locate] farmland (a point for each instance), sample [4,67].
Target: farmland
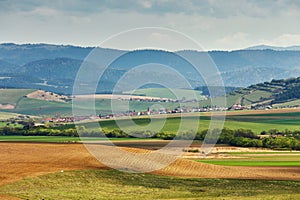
[53,161]
[270,159]
[249,120]
[103,184]
[168,93]
[68,171]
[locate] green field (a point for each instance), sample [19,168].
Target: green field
[263,152]
[253,163]
[7,115]
[12,96]
[111,184]
[271,159]
[255,123]
[287,104]
[168,93]
[255,96]
[231,99]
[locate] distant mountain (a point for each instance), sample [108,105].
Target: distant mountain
[21,54]
[264,47]
[6,67]
[54,67]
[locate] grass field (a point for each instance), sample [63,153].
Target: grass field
[255,96]
[12,96]
[287,104]
[256,123]
[168,93]
[270,159]
[111,184]
[234,98]
[7,115]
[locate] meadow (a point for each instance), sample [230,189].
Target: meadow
[12,96]
[111,184]
[168,93]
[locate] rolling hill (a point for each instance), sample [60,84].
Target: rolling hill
[278,93]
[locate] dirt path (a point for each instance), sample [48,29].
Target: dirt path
[20,160]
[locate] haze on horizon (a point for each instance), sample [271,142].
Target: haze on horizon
[214,24]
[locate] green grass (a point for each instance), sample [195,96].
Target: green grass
[266,152]
[253,163]
[3,124]
[111,184]
[7,115]
[256,96]
[256,124]
[40,107]
[231,99]
[287,104]
[168,93]
[12,96]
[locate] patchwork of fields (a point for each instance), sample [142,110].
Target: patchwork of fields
[53,167]
[48,172]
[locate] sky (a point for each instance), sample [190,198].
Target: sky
[213,24]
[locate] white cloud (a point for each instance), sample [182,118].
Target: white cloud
[284,40]
[215,24]
[234,41]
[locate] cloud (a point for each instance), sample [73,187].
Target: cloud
[284,40]
[237,40]
[215,24]
[215,8]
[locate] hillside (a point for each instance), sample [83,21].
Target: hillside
[278,93]
[54,67]
[9,98]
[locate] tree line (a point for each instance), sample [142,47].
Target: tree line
[274,139]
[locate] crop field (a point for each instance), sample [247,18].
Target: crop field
[52,167]
[270,159]
[254,163]
[255,122]
[68,171]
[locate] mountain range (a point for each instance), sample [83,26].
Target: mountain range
[54,67]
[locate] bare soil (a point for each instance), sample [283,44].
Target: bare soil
[20,160]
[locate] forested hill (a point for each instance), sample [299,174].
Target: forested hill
[54,67]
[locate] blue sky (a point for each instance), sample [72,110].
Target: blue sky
[215,24]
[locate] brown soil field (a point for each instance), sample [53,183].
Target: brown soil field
[20,160]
